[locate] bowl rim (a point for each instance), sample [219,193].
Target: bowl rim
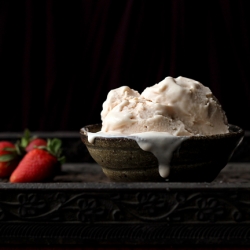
[233,130]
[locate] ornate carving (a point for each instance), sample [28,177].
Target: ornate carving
[120,234]
[140,206]
[209,209]
[30,205]
[139,216]
[90,210]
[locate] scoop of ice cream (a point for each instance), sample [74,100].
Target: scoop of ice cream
[179,106]
[115,97]
[192,103]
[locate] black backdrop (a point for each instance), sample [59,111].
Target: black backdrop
[59,59]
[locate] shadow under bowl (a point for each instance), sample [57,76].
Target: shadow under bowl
[197,159]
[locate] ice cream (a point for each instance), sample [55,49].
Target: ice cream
[162,116]
[179,106]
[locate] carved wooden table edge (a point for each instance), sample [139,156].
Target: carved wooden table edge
[100,212]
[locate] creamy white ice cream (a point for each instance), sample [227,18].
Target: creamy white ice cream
[179,106]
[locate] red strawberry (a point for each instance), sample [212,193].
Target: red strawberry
[39,164]
[5,144]
[35,143]
[29,142]
[9,158]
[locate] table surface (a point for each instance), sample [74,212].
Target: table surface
[81,207]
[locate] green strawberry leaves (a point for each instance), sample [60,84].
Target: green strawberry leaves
[26,138]
[11,154]
[54,147]
[8,157]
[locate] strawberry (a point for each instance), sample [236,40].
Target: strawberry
[9,158]
[39,164]
[35,143]
[28,142]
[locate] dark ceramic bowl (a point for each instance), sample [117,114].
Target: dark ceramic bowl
[199,159]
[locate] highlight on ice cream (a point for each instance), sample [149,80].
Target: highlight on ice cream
[162,116]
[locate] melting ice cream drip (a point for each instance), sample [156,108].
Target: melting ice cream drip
[160,144]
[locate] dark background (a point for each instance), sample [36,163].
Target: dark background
[59,59]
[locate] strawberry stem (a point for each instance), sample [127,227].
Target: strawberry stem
[54,147]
